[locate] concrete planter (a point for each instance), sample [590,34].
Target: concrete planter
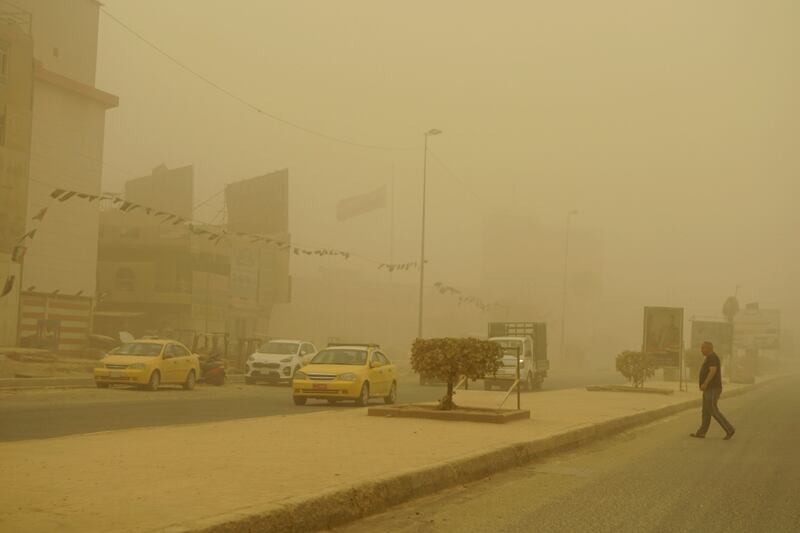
[462,414]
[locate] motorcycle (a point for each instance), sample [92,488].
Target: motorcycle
[212,368]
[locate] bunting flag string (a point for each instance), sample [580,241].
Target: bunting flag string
[200,229]
[463,298]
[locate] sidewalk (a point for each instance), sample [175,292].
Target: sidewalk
[292,473]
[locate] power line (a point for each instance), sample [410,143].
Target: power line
[244,102]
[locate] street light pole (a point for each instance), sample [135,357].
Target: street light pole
[564,287]
[422,240]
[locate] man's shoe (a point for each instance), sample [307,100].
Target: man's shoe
[698,436]
[729,435]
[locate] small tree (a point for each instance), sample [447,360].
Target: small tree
[635,366]
[449,358]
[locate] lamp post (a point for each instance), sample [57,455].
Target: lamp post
[422,240]
[564,287]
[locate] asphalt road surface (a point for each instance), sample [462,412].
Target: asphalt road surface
[654,478]
[40,414]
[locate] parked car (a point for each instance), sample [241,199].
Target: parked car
[352,372]
[277,361]
[148,363]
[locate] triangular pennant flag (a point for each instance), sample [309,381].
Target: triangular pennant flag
[9,284]
[169,217]
[124,207]
[57,192]
[30,235]
[67,196]
[40,216]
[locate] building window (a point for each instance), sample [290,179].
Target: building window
[3,61]
[125,280]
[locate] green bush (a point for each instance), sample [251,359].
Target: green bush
[635,366]
[447,359]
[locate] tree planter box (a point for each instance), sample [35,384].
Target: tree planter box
[463,414]
[627,388]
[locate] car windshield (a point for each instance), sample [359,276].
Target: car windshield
[137,348]
[340,357]
[510,347]
[281,348]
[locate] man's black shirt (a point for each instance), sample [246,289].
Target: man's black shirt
[716,381]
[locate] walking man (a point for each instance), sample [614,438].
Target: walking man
[711,385]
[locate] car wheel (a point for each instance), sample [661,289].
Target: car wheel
[299,400]
[102,385]
[538,381]
[249,381]
[191,379]
[392,397]
[155,381]
[363,397]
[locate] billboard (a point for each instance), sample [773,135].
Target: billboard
[663,335]
[757,329]
[715,331]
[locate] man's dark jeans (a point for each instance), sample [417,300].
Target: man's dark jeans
[710,399]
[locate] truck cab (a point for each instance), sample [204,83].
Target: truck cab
[526,341]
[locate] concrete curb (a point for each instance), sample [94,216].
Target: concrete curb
[72,383]
[340,506]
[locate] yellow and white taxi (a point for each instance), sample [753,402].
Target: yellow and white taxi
[148,363]
[352,372]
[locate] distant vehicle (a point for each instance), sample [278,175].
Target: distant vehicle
[148,363]
[277,361]
[347,372]
[526,341]
[212,369]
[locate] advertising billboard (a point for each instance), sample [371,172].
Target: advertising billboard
[757,329]
[663,335]
[717,332]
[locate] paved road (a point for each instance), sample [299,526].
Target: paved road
[39,414]
[654,478]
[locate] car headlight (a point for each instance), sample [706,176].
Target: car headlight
[300,375]
[348,377]
[137,366]
[286,360]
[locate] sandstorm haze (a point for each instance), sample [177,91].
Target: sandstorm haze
[671,127]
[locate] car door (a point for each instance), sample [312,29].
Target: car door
[170,369]
[185,363]
[381,374]
[390,372]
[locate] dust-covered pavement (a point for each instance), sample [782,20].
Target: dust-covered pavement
[654,478]
[202,475]
[33,414]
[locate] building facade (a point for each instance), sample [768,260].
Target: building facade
[16,108]
[167,274]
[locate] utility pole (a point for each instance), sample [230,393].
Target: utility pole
[564,287]
[422,240]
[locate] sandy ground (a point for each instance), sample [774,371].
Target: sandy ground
[153,478]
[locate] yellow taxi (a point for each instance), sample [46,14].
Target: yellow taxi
[148,363]
[347,372]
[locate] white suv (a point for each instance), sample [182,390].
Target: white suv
[276,361]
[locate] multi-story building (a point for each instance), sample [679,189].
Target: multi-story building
[67,133]
[161,275]
[16,103]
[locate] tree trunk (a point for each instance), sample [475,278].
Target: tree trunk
[447,401]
